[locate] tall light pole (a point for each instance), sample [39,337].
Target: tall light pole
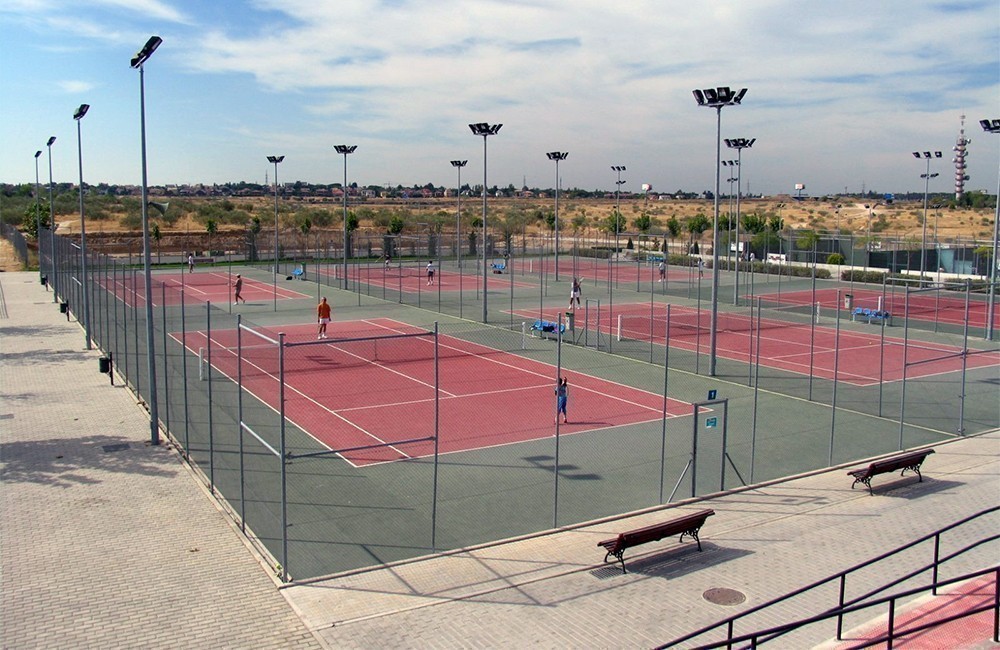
[993,126]
[458,164]
[927,179]
[868,244]
[485,130]
[52,227]
[557,156]
[137,62]
[274,278]
[716,98]
[78,115]
[739,144]
[345,150]
[732,169]
[618,169]
[38,217]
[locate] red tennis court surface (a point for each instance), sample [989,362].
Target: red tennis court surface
[214,286]
[364,393]
[412,279]
[926,306]
[784,345]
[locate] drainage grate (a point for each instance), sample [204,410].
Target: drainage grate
[121,446]
[724,596]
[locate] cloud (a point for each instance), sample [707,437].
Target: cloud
[75,87]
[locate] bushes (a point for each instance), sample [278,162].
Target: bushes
[836,259]
[871,277]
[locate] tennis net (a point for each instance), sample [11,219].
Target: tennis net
[646,327]
[330,355]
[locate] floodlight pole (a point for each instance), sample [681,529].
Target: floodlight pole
[52,228]
[731,164]
[485,130]
[993,126]
[38,217]
[78,116]
[458,164]
[716,98]
[274,279]
[618,213]
[927,179]
[557,156]
[154,421]
[345,150]
[739,144]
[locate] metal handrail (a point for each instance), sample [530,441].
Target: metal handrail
[729,622]
[761,636]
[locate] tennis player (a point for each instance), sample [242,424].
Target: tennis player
[323,317]
[237,290]
[562,398]
[574,293]
[430,272]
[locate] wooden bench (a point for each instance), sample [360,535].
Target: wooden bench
[688,524]
[907,461]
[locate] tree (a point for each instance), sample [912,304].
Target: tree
[696,225]
[211,227]
[614,223]
[753,223]
[673,230]
[643,223]
[983,255]
[29,222]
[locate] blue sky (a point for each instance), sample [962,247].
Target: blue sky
[840,91]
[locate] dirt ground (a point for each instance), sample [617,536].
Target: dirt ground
[8,259]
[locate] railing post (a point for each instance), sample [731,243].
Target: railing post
[840,607]
[937,556]
[890,632]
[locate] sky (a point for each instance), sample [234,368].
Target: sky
[840,92]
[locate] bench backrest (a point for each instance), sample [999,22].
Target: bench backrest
[899,462]
[659,531]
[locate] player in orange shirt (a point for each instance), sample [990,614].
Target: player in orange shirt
[323,316]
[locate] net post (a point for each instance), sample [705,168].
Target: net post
[284,460]
[524,335]
[201,364]
[618,332]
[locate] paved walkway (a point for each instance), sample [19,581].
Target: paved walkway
[105,545]
[107,542]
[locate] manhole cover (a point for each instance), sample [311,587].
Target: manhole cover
[122,446]
[724,596]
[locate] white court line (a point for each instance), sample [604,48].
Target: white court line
[450,396]
[539,374]
[295,390]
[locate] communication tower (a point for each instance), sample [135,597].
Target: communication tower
[960,153]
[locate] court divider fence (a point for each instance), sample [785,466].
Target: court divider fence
[269,415]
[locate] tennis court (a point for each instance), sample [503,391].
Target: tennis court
[373,392]
[928,306]
[214,286]
[797,346]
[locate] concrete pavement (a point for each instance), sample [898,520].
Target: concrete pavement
[109,542]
